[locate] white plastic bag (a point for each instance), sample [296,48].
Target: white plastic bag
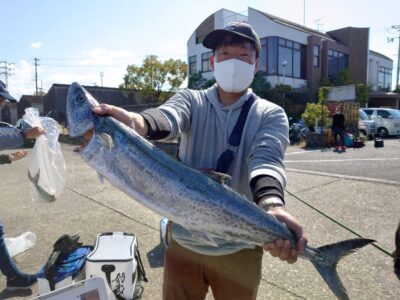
[46,167]
[20,243]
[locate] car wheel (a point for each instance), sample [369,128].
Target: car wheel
[382,132]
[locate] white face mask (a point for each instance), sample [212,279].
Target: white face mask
[233,75]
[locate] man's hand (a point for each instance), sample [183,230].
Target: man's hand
[282,248]
[17,155]
[33,133]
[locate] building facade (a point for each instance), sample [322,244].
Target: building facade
[296,55]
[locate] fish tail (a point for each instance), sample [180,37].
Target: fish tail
[328,257]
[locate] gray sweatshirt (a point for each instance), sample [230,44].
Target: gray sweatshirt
[204,125]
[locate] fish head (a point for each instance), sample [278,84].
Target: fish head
[79,110]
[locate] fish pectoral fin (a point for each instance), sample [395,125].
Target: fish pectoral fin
[101,177]
[34,179]
[205,237]
[217,176]
[107,140]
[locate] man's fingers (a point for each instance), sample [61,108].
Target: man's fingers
[285,251]
[292,257]
[17,155]
[100,109]
[301,244]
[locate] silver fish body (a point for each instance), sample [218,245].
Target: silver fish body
[182,194]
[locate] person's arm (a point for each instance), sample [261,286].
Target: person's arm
[4,159]
[269,196]
[163,122]
[268,179]
[7,159]
[11,138]
[130,119]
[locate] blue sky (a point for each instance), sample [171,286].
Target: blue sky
[76,40]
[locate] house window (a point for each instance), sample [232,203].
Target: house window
[337,62]
[285,58]
[316,51]
[262,61]
[205,62]
[272,55]
[192,65]
[384,79]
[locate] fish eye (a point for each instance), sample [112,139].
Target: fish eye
[80,99]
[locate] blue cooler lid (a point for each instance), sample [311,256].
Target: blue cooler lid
[68,264]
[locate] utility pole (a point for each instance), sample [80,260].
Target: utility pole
[36,78]
[396,27]
[304,13]
[7,67]
[101,78]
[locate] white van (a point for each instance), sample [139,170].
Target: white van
[387,120]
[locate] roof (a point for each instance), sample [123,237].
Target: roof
[296,26]
[32,98]
[380,55]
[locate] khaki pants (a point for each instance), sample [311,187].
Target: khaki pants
[187,275]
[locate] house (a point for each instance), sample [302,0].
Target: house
[296,55]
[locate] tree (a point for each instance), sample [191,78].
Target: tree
[343,78]
[363,93]
[261,86]
[154,77]
[317,112]
[198,82]
[313,114]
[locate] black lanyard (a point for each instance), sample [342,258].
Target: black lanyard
[228,155]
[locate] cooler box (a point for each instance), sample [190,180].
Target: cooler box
[113,258]
[348,140]
[69,269]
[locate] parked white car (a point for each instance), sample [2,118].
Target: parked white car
[387,120]
[365,125]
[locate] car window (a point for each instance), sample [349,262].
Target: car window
[368,111]
[383,113]
[395,113]
[363,115]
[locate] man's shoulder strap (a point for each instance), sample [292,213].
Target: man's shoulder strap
[236,135]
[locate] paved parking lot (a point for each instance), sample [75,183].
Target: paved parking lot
[354,188]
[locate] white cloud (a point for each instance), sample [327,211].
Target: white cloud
[100,56]
[36,45]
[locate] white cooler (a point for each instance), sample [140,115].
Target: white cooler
[113,258]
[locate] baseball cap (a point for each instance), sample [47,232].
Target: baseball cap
[240,29]
[5,94]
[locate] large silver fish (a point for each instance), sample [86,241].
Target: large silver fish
[182,194]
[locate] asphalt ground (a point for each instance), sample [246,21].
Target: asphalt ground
[359,189]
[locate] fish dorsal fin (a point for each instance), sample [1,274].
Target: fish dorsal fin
[107,140]
[205,237]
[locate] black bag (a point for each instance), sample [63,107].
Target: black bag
[378,143]
[64,245]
